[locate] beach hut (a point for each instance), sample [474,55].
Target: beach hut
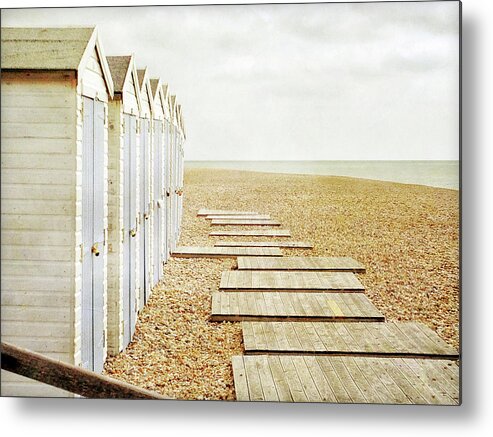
[55,87]
[167,172]
[158,195]
[145,208]
[123,197]
[181,141]
[174,173]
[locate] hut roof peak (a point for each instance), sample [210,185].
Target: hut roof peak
[119,66]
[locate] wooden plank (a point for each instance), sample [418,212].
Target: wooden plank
[267,380]
[282,386]
[253,379]
[68,377]
[238,222]
[291,377]
[274,306]
[204,211]
[348,380]
[238,217]
[334,264]
[252,233]
[283,244]
[348,338]
[223,252]
[299,281]
[240,380]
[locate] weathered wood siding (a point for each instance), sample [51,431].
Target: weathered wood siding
[115,226]
[40,216]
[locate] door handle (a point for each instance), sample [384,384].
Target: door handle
[133,232]
[95,250]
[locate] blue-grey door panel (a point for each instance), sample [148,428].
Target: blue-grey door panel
[126,233]
[133,222]
[99,234]
[87,234]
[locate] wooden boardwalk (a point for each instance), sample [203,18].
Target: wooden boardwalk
[239,216]
[393,339]
[283,244]
[224,252]
[252,233]
[245,280]
[205,211]
[346,379]
[273,306]
[241,222]
[335,264]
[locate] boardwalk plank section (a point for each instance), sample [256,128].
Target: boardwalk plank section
[283,244]
[294,263]
[204,211]
[223,252]
[317,339]
[238,217]
[251,233]
[242,222]
[346,379]
[290,281]
[296,307]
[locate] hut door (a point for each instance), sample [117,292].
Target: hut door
[129,229]
[144,208]
[132,128]
[92,299]
[164,188]
[157,141]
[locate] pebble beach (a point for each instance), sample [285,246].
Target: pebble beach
[407,236]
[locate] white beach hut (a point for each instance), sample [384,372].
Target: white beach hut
[144,208]
[167,171]
[123,197]
[174,173]
[158,182]
[55,88]
[181,155]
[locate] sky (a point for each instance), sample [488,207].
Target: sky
[354,81]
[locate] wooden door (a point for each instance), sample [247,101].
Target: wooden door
[92,298]
[159,203]
[129,228]
[145,254]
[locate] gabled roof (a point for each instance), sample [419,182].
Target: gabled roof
[165,90]
[145,86]
[141,73]
[119,69]
[122,69]
[154,86]
[56,48]
[172,107]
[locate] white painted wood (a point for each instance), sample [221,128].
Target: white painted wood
[42,126]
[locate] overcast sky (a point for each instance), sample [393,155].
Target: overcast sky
[295,82]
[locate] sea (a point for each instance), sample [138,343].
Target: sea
[441,174]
